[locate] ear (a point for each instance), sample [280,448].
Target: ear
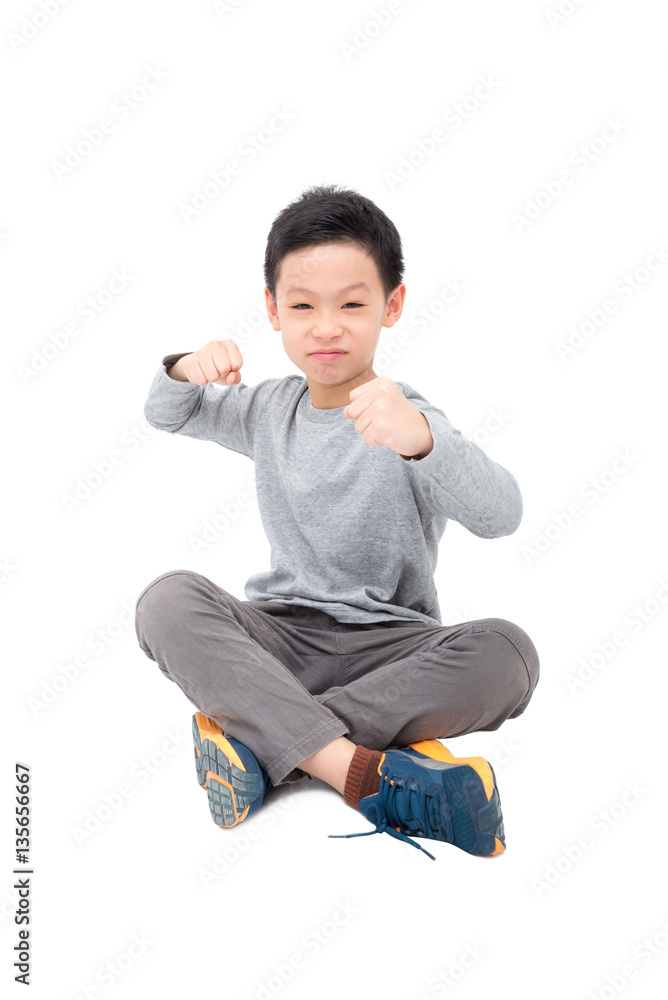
[272,310]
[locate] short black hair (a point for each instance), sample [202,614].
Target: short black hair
[329,213]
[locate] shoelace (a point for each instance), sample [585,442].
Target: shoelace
[420,800]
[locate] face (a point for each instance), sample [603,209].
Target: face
[330,308]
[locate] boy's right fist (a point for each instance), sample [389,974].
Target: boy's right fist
[219,361]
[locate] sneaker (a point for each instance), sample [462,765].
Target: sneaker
[235,782]
[426,791]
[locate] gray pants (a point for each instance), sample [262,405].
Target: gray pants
[286,680]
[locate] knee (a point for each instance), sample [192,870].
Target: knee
[518,658]
[161,599]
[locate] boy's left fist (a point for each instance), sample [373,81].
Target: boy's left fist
[383,415]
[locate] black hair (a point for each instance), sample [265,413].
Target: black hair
[328,213]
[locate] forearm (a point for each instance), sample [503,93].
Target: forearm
[172,401]
[462,482]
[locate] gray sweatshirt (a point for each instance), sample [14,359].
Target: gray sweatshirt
[354,528]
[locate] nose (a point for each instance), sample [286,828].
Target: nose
[327,325]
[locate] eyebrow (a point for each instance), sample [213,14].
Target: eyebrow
[348,288]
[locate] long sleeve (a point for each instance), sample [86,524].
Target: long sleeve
[227,415]
[459,480]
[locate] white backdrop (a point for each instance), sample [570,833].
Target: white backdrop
[520,149]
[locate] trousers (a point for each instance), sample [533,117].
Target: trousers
[288,679]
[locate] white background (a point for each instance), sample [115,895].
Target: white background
[542,920]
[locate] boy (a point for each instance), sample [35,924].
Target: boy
[337,665]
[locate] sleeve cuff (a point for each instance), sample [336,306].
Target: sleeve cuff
[171,359]
[434,456]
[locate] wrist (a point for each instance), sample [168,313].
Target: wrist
[172,363]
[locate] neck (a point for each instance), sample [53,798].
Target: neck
[329,397]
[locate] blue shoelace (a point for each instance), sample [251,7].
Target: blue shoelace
[410,804]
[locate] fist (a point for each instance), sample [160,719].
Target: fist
[219,362]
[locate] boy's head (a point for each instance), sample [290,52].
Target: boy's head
[321,244]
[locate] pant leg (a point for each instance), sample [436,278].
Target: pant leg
[220,651]
[417,683]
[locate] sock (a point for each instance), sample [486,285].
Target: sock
[362,777]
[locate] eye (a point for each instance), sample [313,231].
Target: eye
[358,305]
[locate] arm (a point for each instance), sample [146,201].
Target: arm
[226,414]
[460,481]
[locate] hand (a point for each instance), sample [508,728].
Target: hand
[383,415]
[218,361]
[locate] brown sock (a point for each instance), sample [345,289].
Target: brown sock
[362,777]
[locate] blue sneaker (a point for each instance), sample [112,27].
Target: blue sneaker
[235,782]
[426,791]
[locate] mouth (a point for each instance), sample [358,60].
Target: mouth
[327,355]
